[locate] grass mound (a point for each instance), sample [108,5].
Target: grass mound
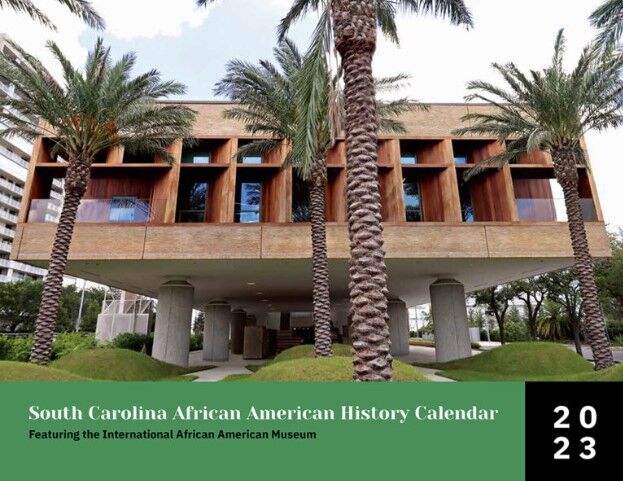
[117,365]
[524,361]
[22,371]
[525,358]
[336,368]
[307,350]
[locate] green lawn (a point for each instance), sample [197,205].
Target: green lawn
[120,365]
[23,371]
[307,350]
[299,364]
[526,361]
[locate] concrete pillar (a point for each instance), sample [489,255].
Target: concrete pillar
[398,327]
[450,320]
[216,331]
[238,321]
[251,320]
[173,321]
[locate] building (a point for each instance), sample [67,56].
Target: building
[14,157]
[228,236]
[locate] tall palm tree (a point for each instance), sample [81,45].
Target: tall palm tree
[93,110]
[550,111]
[271,101]
[352,26]
[81,8]
[608,19]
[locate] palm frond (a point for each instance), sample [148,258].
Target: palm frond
[549,109]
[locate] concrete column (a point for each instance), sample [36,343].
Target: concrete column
[216,331]
[173,321]
[251,320]
[398,327]
[450,320]
[238,321]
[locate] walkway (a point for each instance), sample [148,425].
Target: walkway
[235,365]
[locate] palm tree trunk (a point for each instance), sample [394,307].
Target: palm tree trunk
[355,40]
[567,175]
[75,186]
[320,263]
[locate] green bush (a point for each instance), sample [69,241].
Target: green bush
[5,346]
[133,342]
[516,331]
[20,349]
[196,342]
[67,342]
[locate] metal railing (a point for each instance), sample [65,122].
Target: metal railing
[552,210]
[7,232]
[18,266]
[7,216]
[11,187]
[6,200]
[5,246]
[13,157]
[138,306]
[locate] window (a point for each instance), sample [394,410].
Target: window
[128,209]
[248,159]
[413,200]
[193,203]
[467,208]
[248,202]
[300,201]
[200,154]
[408,157]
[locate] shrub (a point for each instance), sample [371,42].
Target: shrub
[516,331]
[20,349]
[196,342]
[67,342]
[5,346]
[132,341]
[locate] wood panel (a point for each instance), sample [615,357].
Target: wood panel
[115,156]
[337,155]
[222,195]
[336,209]
[32,185]
[450,195]
[388,152]
[164,197]
[432,198]
[536,157]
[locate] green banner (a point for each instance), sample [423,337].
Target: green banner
[285,431]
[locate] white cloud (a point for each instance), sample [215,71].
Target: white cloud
[148,18]
[126,19]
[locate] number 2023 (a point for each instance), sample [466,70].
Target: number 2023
[588,420]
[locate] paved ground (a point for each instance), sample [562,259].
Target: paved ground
[235,365]
[588,354]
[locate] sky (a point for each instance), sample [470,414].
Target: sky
[193,45]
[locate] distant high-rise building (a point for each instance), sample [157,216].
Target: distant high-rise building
[14,158]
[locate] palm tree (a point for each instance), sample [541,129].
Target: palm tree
[351,25]
[550,111]
[271,101]
[81,8]
[608,19]
[92,111]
